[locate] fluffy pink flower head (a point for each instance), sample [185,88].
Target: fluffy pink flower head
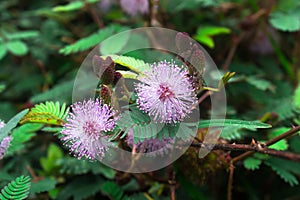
[166,93]
[84,131]
[154,146]
[4,144]
[134,7]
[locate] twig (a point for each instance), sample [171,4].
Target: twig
[153,6]
[94,15]
[250,148]
[283,136]
[282,154]
[204,96]
[230,182]
[231,53]
[172,183]
[268,143]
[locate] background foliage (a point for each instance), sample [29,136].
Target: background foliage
[42,44]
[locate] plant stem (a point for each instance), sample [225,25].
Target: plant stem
[230,182]
[270,142]
[250,150]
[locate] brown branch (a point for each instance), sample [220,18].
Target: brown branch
[172,183]
[92,11]
[204,96]
[230,182]
[268,143]
[283,136]
[260,148]
[232,51]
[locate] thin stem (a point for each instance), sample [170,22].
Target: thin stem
[250,149]
[172,183]
[95,16]
[268,143]
[230,182]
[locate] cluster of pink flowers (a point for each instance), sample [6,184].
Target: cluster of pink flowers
[165,93]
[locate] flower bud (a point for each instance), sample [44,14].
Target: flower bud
[104,69]
[105,94]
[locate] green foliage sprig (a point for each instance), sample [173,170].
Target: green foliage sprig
[47,113]
[17,189]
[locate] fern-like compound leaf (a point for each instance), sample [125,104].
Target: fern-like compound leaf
[17,189]
[47,113]
[131,63]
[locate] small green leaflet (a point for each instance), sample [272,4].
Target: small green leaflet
[204,34]
[75,5]
[252,163]
[136,65]
[12,124]
[232,122]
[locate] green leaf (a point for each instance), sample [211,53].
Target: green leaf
[232,122]
[58,93]
[260,84]
[191,4]
[297,96]
[207,40]
[44,185]
[112,190]
[49,163]
[17,47]
[184,132]
[285,21]
[92,40]
[131,63]
[73,166]
[285,169]
[204,34]
[76,5]
[22,35]
[114,44]
[284,107]
[81,187]
[47,113]
[252,163]
[12,124]
[280,145]
[21,135]
[233,132]
[3,50]
[128,74]
[2,87]
[17,189]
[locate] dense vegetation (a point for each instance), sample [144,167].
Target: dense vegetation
[255,45]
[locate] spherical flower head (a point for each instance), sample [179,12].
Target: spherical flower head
[166,93]
[4,146]
[85,128]
[134,7]
[153,146]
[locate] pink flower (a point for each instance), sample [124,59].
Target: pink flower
[4,144]
[84,131]
[134,7]
[166,93]
[153,145]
